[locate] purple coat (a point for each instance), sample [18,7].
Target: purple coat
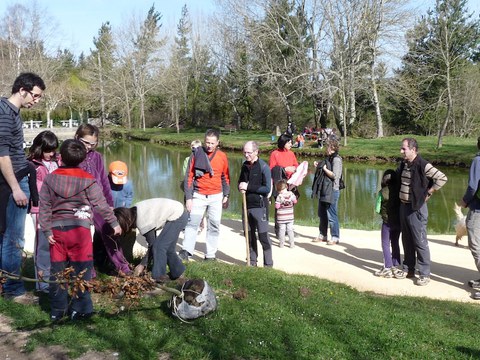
[93,164]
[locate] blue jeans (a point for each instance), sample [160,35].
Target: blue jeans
[328,214]
[41,257]
[12,242]
[212,204]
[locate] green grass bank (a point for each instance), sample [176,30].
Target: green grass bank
[279,316]
[454,152]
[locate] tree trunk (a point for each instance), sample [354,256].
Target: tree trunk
[177,117]
[376,103]
[48,118]
[443,129]
[102,94]
[127,106]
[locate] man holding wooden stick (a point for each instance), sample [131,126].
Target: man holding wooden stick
[255,181]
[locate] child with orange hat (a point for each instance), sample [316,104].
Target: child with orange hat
[122,189]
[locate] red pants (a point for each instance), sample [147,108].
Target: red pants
[73,247]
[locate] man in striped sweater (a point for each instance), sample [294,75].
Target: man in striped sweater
[419,180]
[27,91]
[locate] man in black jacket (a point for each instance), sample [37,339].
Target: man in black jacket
[255,181]
[418,180]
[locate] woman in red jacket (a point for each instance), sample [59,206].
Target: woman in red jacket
[283,164]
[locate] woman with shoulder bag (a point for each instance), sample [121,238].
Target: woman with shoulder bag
[326,187]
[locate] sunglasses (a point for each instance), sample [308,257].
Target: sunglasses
[92,144]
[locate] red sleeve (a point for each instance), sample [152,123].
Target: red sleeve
[295,161]
[273,159]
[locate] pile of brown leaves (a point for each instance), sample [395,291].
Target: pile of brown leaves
[119,287]
[127,287]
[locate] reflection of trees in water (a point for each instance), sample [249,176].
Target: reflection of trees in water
[156,171]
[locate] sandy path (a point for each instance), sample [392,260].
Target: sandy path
[355,259]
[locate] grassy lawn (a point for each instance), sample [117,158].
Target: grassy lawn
[454,152]
[281,317]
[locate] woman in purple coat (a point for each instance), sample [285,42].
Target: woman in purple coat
[94,165]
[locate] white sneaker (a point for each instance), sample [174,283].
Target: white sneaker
[384,272]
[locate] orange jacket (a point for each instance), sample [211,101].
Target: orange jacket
[208,184]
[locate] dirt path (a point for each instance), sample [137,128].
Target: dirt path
[351,262]
[356,258]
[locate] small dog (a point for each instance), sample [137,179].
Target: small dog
[460,226]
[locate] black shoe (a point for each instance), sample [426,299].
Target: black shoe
[210,259]
[162,279]
[184,255]
[74,316]
[402,274]
[476,295]
[474,284]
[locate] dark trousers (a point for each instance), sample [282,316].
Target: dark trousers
[414,238]
[73,247]
[163,248]
[258,222]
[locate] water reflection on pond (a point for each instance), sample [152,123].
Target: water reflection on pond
[156,172]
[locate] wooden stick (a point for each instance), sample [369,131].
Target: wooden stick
[245,225]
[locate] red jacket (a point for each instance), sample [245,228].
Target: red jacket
[283,158]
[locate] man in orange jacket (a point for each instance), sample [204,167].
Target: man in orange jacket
[207,189]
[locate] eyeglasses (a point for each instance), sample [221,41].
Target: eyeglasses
[247,153]
[33,95]
[88,143]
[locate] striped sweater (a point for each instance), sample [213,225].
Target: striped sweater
[284,205]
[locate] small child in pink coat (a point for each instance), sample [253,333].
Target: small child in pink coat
[284,217]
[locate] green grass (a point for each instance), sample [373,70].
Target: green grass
[454,152]
[281,317]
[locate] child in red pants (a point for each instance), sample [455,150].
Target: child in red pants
[67,199]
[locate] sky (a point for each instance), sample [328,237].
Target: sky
[80,20]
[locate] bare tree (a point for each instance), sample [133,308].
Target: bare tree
[177,74]
[440,46]
[145,61]
[138,63]
[102,61]
[466,96]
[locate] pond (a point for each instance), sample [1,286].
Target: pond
[156,172]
